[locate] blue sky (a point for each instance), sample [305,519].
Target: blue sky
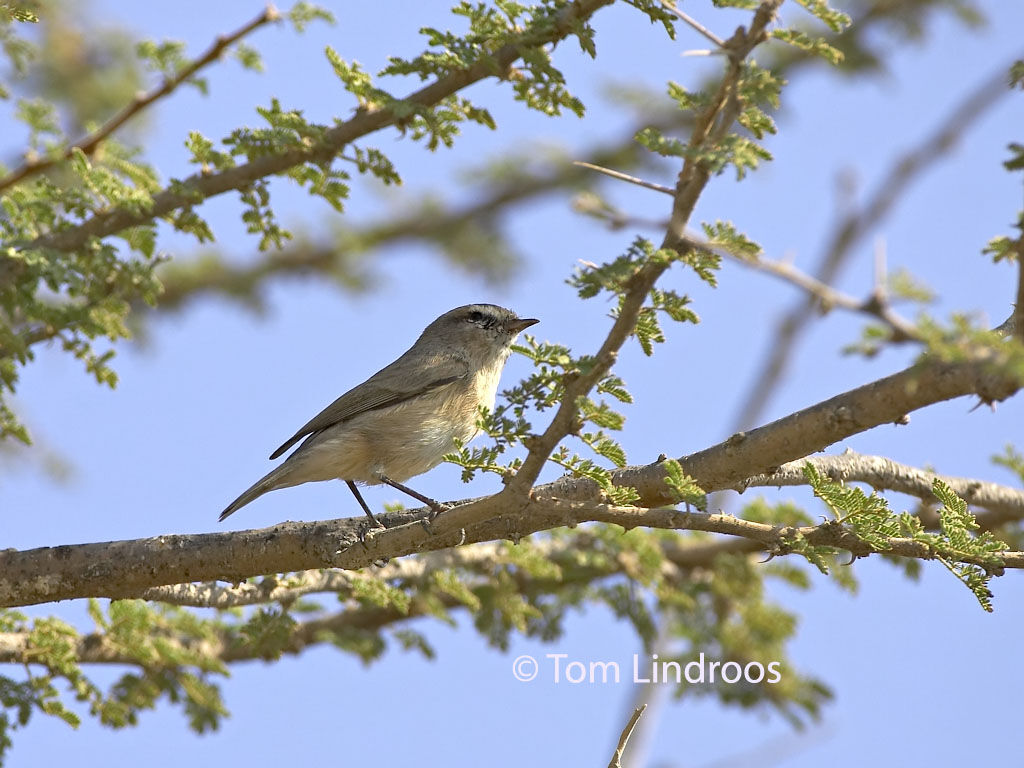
[216,389]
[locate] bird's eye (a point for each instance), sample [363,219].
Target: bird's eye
[475,316]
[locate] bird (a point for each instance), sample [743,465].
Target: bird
[401,421]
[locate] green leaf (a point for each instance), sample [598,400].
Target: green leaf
[816,46]
[1011,459]
[724,234]
[268,632]
[1016,161]
[302,14]
[837,21]
[684,488]
[1017,74]
[960,530]
[654,140]
[249,57]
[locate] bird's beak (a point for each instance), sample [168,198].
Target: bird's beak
[520,324]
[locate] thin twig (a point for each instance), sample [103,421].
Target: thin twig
[881,270]
[616,761]
[907,168]
[626,177]
[693,177]
[203,185]
[876,305]
[694,23]
[89,144]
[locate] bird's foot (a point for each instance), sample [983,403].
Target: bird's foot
[369,529]
[436,508]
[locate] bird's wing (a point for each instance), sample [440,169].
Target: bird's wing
[385,388]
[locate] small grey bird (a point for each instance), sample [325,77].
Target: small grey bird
[401,421]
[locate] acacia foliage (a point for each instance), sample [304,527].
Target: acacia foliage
[81,229]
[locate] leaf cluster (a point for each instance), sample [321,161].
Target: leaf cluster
[757,91]
[970,554]
[165,645]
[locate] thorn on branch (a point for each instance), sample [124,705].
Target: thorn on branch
[626,177]
[671,7]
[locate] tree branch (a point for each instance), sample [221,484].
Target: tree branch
[876,305]
[693,177]
[852,228]
[480,557]
[89,144]
[98,648]
[626,177]
[162,555]
[1003,502]
[479,560]
[203,185]
[616,761]
[127,568]
[241,280]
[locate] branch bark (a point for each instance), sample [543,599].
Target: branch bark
[128,568]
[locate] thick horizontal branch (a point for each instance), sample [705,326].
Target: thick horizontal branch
[128,568]
[478,561]
[761,451]
[1002,502]
[131,562]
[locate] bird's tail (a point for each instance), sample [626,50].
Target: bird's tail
[274,479]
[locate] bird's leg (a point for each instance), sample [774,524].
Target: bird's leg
[435,506]
[359,497]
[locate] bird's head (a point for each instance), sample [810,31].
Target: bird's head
[481,331]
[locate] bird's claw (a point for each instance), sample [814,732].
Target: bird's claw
[436,508]
[367,531]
